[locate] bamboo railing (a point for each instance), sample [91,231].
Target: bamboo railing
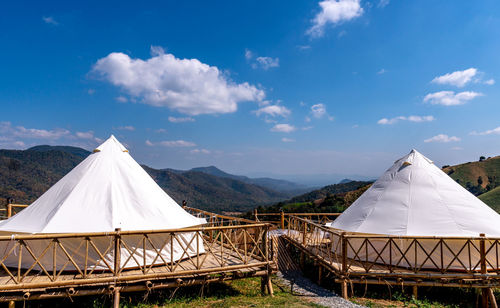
[225,246]
[11,209]
[213,218]
[444,260]
[282,219]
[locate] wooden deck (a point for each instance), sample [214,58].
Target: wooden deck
[357,258]
[225,248]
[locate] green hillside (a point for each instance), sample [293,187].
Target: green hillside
[329,190]
[481,178]
[329,199]
[492,198]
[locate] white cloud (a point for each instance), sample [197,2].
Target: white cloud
[334,12]
[495,131]
[91,91]
[185,85]
[248,54]
[490,82]
[273,111]
[458,78]
[85,135]
[50,20]
[200,151]
[304,47]
[121,99]
[88,136]
[382,71]
[307,127]
[449,98]
[266,63]
[417,119]
[283,128]
[383,3]
[180,120]
[18,135]
[442,138]
[161,130]
[126,127]
[6,129]
[318,111]
[457,148]
[171,143]
[287,140]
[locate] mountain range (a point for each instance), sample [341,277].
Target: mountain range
[26,174]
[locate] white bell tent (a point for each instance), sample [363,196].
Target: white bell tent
[106,191]
[415,198]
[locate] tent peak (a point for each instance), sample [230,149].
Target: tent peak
[413,157]
[111,144]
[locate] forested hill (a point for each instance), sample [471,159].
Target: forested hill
[482,178]
[25,175]
[329,199]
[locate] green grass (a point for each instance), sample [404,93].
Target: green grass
[492,198]
[238,293]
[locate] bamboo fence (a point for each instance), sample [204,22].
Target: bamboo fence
[224,248]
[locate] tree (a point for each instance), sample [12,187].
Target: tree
[482,158]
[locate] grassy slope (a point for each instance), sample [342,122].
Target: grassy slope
[468,174]
[492,198]
[488,170]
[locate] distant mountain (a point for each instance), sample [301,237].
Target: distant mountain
[329,199]
[211,192]
[329,190]
[25,175]
[287,187]
[344,181]
[67,149]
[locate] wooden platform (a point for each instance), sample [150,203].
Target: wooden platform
[226,248]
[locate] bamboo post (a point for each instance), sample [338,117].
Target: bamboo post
[263,279]
[116,298]
[117,253]
[482,255]
[282,220]
[492,298]
[256,218]
[320,273]
[344,265]
[12,304]
[9,210]
[266,280]
[415,292]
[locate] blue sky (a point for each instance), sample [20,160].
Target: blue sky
[255,87]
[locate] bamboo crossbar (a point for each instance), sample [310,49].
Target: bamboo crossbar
[299,214]
[209,214]
[113,233]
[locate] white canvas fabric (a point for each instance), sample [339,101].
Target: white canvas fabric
[107,190]
[416,198]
